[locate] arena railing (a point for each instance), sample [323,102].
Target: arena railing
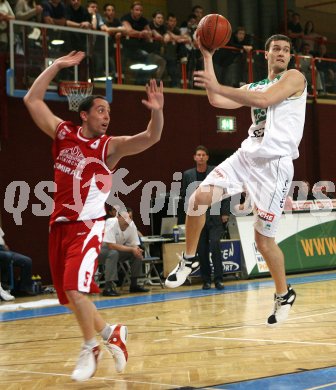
[246,67]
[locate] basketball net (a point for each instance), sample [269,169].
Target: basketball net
[75,91]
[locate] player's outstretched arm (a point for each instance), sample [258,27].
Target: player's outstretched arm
[207,79]
[292,83]
[128,145]
[36,106]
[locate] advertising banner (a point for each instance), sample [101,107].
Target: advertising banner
[308,241]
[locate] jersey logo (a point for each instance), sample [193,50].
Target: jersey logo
[259,115]
[95,144]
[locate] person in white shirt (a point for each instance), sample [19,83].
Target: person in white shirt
[263,165]
[121,243]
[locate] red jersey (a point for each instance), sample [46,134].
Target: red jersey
[83,181]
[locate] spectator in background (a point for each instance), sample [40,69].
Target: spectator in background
[295,31]
[175,50]
[6,14]
[212,232]
[121,243]
[312,38]
[5,295]
[28,10]
[155,48]
[54,12]
[231,66]
[77,16]
[305,60]
[195,60]
[198,12]
[113,27]
[327,70]
[9,258]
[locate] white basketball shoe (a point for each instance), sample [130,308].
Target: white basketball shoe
[183,269]
[116,345]
[282,306]
[86,364]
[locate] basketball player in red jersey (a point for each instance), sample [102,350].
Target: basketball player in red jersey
[84,157]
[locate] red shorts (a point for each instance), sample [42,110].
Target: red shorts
[73,252]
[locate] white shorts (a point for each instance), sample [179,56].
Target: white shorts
[267,182]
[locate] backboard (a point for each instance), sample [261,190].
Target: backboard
[35,46]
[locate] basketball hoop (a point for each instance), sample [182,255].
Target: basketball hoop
[75,91]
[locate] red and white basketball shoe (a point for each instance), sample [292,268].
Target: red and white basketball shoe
[86,364]
[116,345]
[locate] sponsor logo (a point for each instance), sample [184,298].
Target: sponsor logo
[324,246]
[95,144]
[284,194]
[265,216]
[230,266]
[261,263]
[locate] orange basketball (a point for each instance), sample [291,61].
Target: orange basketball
[214,31]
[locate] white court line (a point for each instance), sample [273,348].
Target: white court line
[261,323]
[97,378]
[322,386]
[263,340]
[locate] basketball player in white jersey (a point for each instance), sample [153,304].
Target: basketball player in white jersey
[262,166]
[84,157]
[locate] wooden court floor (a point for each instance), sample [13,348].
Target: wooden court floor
[185,339]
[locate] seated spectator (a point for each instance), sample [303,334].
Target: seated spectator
[53,12]
[295,31]
[312,38]
[120,244]
[198,12]
[306,68]
[6,14]
[139,33]
[8,257]
[231,65]
[155,48]
[111,211]
[194,56]
[327,70]
[114,28]
[175,50]
[28,10]
[5,295]
[77,16]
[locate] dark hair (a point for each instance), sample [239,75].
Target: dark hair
[87,103]
[108,5]
[135,3]
[171,15]
[91,2]
[195,7]
[277,37]
[203,148]
[306,27]
[154,14]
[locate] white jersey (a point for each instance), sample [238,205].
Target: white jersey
[277,130]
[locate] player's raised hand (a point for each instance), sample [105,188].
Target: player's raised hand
[205,52]
[155,98]
[71,59]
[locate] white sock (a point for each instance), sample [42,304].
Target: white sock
[91,343]
[186,257]
[105,333]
